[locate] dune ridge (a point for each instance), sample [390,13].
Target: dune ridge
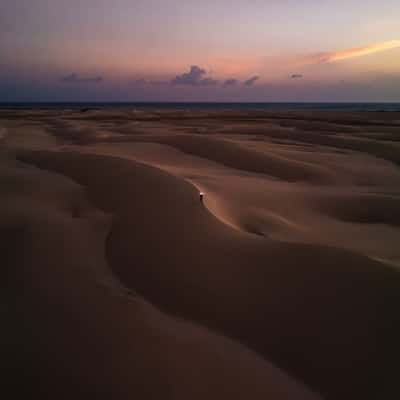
[119,282]
[73,330]
[215,291]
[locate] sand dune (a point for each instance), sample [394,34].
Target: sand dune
[159,229]
[235,156]
[365,209]
[120,283]
[295,212]
[73,331]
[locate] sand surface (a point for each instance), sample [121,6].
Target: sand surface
[119,283]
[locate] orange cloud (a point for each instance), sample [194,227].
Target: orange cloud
[358,52]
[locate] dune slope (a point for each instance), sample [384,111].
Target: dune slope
[327,316]
[70,329]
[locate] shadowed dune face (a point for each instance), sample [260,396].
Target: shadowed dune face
[311,177]
[279,257]
[234,156]
[71,330]
[327,316]
[356,211]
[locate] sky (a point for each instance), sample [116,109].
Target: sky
[199,50]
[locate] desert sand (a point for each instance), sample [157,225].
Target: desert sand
[284,283]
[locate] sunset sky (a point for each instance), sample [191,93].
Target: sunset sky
[208,50]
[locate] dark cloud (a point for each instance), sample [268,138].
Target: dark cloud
[195,77]
[230,82]
[75,78]
[251,81]
[209,82]
[296,76]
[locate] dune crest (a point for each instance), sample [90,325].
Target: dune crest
[215,291]
[119,282]
[76,331]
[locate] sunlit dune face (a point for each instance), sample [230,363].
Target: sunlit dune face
[358,52]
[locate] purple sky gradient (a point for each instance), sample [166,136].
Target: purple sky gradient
[124,50]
